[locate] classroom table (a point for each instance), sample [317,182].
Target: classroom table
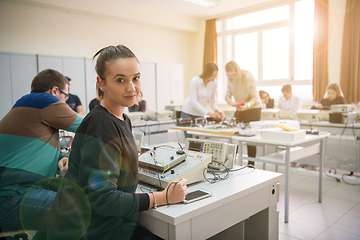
[238,207]
[291,153]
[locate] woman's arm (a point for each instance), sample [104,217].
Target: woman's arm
[173,193]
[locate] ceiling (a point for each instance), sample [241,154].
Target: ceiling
[190,9]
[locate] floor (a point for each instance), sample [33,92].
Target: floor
[336,218]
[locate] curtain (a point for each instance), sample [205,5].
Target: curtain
[210,46]
[350,64]
[320,52]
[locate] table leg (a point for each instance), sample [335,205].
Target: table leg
[240,153]
[276,166]
[321,167]
[287,183]
[264,154]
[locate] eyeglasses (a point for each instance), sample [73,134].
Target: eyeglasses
[66,95]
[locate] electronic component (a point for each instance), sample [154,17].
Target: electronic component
[308,115]
[135,116]
[184,122]
[342,108]
[176,110]
[222,153]
[161,159]
[270,114]
[200,122]
[192,167]
[150,115]
[163,115]
[345,117]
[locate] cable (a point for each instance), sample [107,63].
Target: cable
[218,173]
[326,173]
[157,174]
[165,146]
[347,119]
[342,177]
[167,190]
[353,128]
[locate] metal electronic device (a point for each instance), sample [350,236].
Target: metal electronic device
[223,154]
[176,109]
[135,116]
[308,115]
[150,115]
[160,166]
[345,117]
[342,108]
[270,114]
[164,115]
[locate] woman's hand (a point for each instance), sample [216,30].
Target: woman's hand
[319,106]
[63,164]
[241,106]
[214,115]
[176,192]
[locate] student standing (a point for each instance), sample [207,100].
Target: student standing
[202,91]
[241,86]
[98,198]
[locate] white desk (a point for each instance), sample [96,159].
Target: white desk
[155,132]
[334,128]
[286,157]
[248,196]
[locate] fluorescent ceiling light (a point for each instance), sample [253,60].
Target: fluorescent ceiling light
[206,3]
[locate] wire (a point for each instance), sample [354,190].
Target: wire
[157,174]
[218,174]
[347,119]
[165,146]
[342,177]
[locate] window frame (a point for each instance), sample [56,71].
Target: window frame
[259,29]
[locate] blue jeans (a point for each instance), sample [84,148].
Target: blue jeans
[27,211]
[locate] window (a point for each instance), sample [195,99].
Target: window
[275,44]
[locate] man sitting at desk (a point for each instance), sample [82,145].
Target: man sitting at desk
[289,101]
[30,153]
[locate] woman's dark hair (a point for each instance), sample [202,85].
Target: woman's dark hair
[108,54]
[47,79]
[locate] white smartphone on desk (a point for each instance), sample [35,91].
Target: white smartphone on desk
[196,195]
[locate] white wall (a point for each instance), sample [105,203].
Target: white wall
[80,28]
[47,27]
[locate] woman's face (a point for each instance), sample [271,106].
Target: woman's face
[232,75]
[213,76]
[122,82]
[331,94]
[264,98]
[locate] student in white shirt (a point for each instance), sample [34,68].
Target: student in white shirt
[289,101]
[202,91]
